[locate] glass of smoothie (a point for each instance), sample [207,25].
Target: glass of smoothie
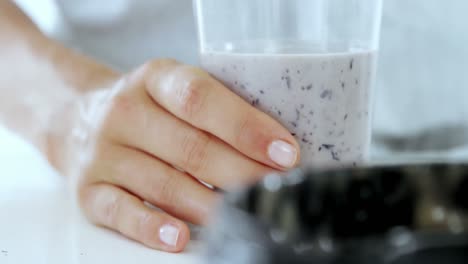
[310,64]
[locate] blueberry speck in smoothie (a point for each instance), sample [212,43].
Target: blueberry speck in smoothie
[328,146]
[309,87]
[298,71]
[311,113]
[287,70]
[305,140]
[255,102]
[287,79]
[279,113]
[294,124]
[351,64]
[345,117]
[335,156]
[342,85]
[298,114]
[326,94]
[236,83]
[302,106]
[262,92]
[302,88]
[293,134]
[243,87]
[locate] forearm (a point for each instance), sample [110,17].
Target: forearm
[39,78]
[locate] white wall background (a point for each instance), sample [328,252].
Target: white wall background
[423,79]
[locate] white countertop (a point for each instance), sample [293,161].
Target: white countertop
[40,224]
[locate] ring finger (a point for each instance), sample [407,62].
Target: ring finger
[158,183]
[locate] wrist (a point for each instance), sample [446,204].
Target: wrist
[68,126]
[72,129]
[79,71]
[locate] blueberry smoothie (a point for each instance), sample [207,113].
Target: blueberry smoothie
[323,99]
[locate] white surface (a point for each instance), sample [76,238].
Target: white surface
[40,224]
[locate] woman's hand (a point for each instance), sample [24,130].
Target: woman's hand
[122,144]
[160,117]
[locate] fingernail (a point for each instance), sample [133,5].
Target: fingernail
[169,235]
[282,153]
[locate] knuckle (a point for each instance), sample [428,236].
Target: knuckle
[118,107]
[84,178]
[121,103]
[121,106]
[99,205]
[194,148]
[190,96]
[246,125]
[111,211]
[148,70]
[147,224]
[165,190]
[252,132]
[153,66]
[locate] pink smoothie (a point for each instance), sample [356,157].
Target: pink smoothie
[323,99]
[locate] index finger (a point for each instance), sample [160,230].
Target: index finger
[195,97]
